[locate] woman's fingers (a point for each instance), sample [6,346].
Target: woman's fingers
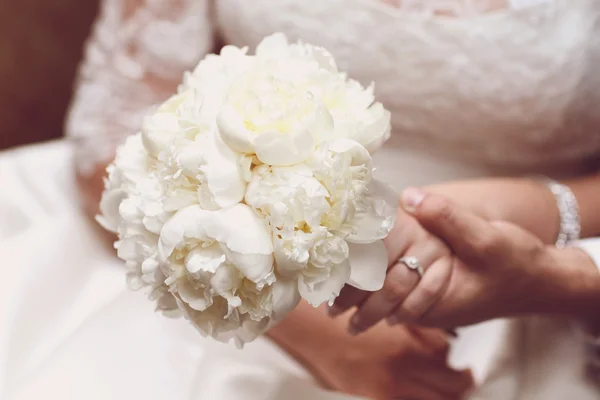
[433,380]
[447,382]
[397,242]
[428,291]
[348,298]
[399,283]
[470,236]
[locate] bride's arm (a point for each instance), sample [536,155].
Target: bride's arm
[134,59]
[527,202]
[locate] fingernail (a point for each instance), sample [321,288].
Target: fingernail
[393,320]
[334,311]
[411,198]
[354,328]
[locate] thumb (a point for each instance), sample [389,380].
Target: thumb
[469,235]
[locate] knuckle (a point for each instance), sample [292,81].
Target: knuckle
[395,286]
[410,313]
[393,293]
[488,244]
[444,209]
[441,348]
[429,290]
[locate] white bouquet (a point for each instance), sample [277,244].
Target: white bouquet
[252,188]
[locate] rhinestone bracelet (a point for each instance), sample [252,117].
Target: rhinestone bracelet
[568,209]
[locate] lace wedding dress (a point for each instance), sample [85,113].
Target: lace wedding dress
[475,87]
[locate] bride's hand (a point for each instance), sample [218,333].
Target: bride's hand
[394,363]
[403,295]
[384,363]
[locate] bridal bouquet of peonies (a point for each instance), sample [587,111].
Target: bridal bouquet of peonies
[251,189]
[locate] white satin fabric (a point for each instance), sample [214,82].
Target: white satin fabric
[71,330]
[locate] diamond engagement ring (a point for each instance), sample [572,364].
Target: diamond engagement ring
[413,264]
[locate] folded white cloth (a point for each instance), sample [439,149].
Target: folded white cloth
[591,247]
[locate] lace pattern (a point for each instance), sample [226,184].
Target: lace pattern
[513,90]
[135,58]
[140,48]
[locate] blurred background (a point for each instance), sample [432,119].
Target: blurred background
[41,43]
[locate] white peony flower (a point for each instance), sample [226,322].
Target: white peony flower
[219,267]
[316,210]
[292,98]
[353,110]
[195,165]
[252,188]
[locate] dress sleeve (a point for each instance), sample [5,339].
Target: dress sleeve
[592,248]
[134,59]
[591,334]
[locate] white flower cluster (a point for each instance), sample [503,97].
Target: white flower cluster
[251,189]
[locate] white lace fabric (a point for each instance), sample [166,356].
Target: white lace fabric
[134,59]
[140,48]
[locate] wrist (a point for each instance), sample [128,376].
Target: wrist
[297,335]
[572,287]
[524,202]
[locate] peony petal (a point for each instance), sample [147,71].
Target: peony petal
[194,298]
[223,174]
[207,259]
[360,155]
[238,228]
[377,130]
[292,260]
[109,209]
[327,290]
[377,220]
[288,148]
[157,132]
[226,279]
[285,297]
[321,127]
[232,130]
[275,45]
[368,263]
[256,267]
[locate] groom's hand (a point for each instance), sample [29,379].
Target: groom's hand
[495,269]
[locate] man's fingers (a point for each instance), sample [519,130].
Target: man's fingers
[469,235]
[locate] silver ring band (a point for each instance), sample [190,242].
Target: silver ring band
[413,264]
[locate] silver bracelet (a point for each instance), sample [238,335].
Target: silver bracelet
[568,209]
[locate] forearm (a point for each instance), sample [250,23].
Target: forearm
[523,202]
[526,203]
[307,333]
[571,286]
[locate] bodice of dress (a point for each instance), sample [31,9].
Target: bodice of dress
[505,84]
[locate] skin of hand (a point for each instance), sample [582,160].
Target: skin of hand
[403,362]
[525,202]
[402,293]
[497,269]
